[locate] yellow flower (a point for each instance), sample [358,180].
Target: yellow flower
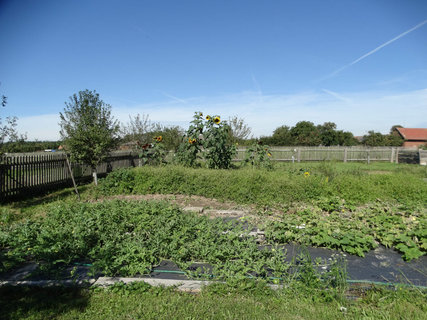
[208,117]
[269,154]
[306,174]
[217,120]
[191,141]
[159,139]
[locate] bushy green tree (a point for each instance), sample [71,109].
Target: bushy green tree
[88,130]
[305,133]
[377,139]
[281,137]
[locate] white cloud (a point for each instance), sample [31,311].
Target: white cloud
[355,112]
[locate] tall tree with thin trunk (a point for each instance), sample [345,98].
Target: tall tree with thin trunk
[88,130]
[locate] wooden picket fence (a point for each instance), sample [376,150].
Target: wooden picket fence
[28,174]
[343,154]
[24,175]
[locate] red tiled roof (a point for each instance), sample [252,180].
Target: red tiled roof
[413,133]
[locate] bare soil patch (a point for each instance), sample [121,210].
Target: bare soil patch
[185,201]
[379,172]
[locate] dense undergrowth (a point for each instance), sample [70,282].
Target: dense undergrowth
[349,207]
[128,238]
[282,186]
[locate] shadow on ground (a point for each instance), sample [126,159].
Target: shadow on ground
[44,303]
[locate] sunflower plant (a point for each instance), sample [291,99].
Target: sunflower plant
[153,153]
[206,138]
[191,146]
[258,156]
[218,149]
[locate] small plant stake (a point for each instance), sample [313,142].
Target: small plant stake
[72,176]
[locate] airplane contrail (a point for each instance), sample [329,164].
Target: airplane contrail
[336,95]
[376,49]
[172,97]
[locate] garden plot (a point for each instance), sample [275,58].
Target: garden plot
[155,239]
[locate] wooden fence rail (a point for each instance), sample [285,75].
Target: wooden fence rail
[27,174]
[343,154]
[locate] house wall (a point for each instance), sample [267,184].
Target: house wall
[415,143]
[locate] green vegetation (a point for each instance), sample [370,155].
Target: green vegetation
[333,224]
[282,187]
[88,130]
[29,146]
[305,133]
[351,207]
[334,206]
[127,238]
[258,156]
[207,139]
[248,300]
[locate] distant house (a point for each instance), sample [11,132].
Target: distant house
[414,137]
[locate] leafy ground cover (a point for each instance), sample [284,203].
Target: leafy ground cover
[332,224]
[351,207]
[283,186]
[128,238]
[248,300]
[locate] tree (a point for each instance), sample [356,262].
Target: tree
[239,130]
[138,129]
[88,130]
[172,136]
[374,139]
[346,138]
[305,133]
[281,137]
[393,130]
[8,129]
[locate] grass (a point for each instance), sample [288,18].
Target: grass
[220,301]
[284,185]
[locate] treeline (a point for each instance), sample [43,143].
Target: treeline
[306,133]
[28,146]
[140,131]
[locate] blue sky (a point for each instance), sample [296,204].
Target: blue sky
[361,64]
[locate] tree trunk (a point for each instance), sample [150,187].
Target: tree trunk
[95,177]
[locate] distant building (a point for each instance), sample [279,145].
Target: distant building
[414,137]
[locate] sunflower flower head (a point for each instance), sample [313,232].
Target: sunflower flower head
[159,139]
[269,154]
[208,117]
[191,141]
[306,174]
[217,120]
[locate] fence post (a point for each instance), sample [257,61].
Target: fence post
[368,157]
[345,155]
[397,155]
[392,155]
[299,155]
